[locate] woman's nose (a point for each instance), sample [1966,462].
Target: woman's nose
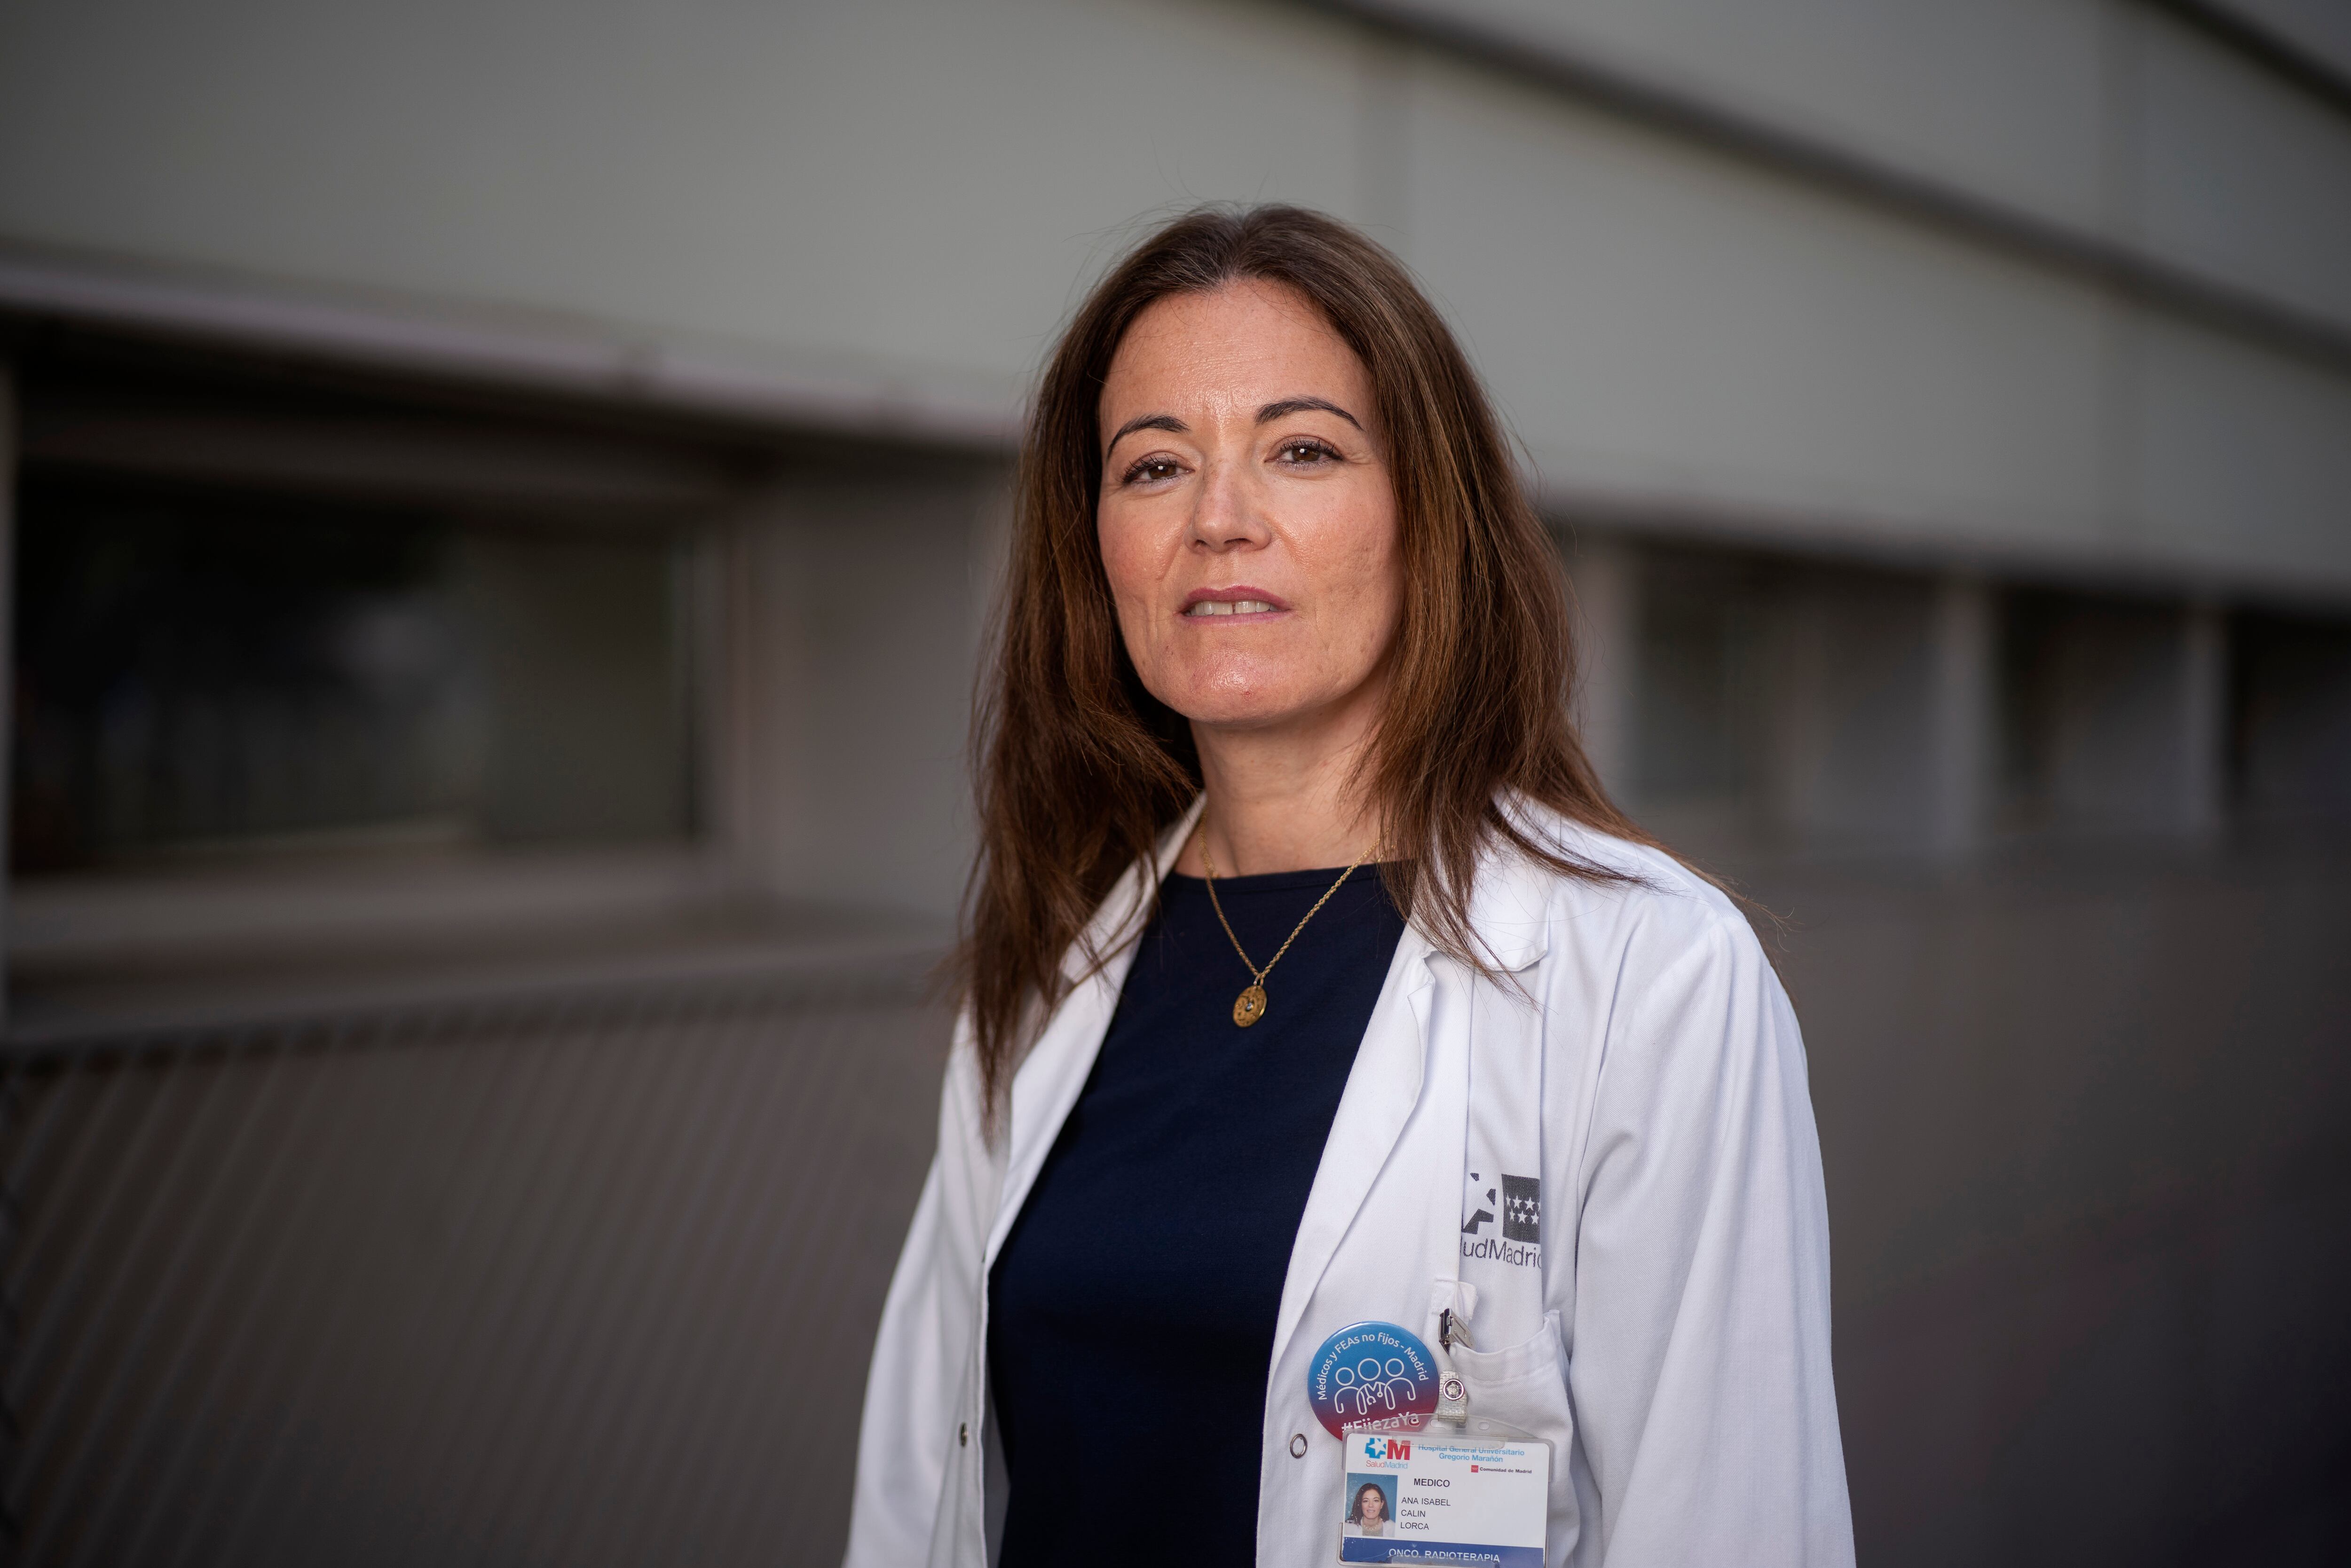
[1226,515]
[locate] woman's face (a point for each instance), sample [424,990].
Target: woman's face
[1372,1507]
[1247,521]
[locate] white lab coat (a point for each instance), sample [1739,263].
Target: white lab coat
[1669,1335]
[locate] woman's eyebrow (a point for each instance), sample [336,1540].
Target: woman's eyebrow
[1167,422]
[1291,405]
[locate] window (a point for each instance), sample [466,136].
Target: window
[202,667]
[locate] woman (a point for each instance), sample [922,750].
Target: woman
[1312,981]
[1368,1515]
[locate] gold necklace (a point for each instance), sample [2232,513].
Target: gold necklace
[1250,1006]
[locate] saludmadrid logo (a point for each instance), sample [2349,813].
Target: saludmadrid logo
[1510,1252]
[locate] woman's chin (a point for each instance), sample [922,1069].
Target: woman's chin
[1253,699]
[1247,716]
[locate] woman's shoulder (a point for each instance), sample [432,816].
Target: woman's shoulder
[1635,899]
[1657,960]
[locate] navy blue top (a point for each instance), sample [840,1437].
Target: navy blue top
[1138,1290]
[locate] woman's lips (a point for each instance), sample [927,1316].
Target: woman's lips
[1238,600]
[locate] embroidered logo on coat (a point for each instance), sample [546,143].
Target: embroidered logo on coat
[1481,1214]
[1522,1208]
[1517,1201]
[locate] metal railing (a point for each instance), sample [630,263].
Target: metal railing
[576,1277]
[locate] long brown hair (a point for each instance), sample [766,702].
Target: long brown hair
[1080,770]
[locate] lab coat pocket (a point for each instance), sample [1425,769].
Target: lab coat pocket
[1524,1386]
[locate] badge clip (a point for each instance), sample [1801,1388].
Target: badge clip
[1452,1393]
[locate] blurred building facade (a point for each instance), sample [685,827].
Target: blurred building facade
[505,502]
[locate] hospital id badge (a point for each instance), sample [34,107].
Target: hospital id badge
[1435,1497]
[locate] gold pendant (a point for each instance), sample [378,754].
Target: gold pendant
[1250,1006]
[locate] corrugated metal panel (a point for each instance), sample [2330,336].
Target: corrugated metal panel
[571,1279]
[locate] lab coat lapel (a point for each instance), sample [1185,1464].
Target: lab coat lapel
[1506,916]
[1048,1085]
[1382,1090]
[1054,1073]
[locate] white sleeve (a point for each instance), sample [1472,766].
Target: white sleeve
[922,1353]
[1699,1362]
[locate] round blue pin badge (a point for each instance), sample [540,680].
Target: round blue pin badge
[1371,1377]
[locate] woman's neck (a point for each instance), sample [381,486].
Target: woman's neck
[1281,800]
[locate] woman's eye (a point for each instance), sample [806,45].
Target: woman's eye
[1152,468]
[1305,452]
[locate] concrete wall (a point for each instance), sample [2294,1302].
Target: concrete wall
[853,611]
[2120,119]
[882,211]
